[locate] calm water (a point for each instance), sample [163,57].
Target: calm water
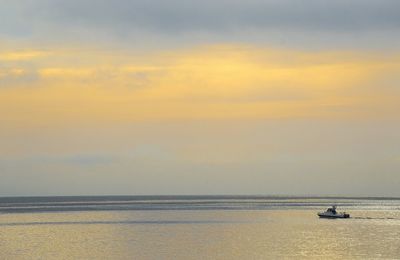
[197,228]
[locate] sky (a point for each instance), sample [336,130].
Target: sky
[289,97]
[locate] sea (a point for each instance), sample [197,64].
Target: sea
[197,227]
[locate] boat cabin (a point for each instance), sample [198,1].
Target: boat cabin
[332,210]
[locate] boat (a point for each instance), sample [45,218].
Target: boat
[332,213]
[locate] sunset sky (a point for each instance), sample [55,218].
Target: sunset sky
[271,97]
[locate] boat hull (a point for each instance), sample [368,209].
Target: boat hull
[334,216]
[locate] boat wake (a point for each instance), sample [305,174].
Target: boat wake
[372,218]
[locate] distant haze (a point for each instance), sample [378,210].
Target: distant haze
[199,97]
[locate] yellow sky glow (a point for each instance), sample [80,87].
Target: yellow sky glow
[215,82]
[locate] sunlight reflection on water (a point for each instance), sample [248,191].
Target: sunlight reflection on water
[198,234]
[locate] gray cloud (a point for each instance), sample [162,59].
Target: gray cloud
[179,15]
[13,77]
[351,22]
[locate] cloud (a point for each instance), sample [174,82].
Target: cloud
[209,82]
[16,77]
[312,23]
[175,96]
[65,73]
[22,55]
[179,15]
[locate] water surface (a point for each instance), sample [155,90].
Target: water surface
[192,227]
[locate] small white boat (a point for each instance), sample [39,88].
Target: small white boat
[332,213]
